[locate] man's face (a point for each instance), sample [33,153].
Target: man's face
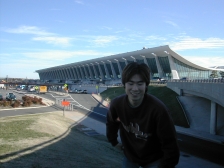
[135,89]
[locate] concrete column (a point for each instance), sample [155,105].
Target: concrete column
[74,72]
[213,118]
[94,69]
[90,72]
[61,74]
[58,74]
[119,68]
[78,73]
[106,70]
[126,62]
[101,72]
[160,71]
[86,74]
[173,68]
[112,69]
[68,73]
[145,61]
[82,74]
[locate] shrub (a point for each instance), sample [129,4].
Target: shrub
[35,100]
[27,101]
[6,103]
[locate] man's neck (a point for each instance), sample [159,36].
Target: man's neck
[133,104]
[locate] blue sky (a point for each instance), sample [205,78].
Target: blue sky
[37,34]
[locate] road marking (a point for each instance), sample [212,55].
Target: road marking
[79,105]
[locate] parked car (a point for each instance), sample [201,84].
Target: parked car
[78,91]
[73,91]
[18,88]
[1,97]
[10,96]
[184,78]
[82,91]
[161,80]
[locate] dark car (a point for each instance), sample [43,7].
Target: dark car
[82,91]
[73,91]
[1,97]
[184,78]
[10,96]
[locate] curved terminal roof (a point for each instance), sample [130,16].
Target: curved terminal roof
[161,51]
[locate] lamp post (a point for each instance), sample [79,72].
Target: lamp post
[6,82]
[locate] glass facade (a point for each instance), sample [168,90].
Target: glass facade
[122,64]
[140,61]
[190,72]
[152,65]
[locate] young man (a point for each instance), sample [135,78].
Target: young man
[146,129]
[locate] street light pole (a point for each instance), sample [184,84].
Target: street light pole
[6,82]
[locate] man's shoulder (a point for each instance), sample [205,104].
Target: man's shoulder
[119,98]
[154,100]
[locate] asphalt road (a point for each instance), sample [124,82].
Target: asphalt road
[211,151]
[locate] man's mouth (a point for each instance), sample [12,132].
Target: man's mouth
[134,94]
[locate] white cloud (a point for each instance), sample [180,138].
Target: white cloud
[28,30]
[154,38]
[106,27]
[79,2]
[62,55]
[65,41]
[102,40]
[206,61]
[172,23]
[196,43]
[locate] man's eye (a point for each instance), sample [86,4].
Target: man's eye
[130,83]
[140,84]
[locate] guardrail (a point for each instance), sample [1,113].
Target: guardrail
[211,89]
[199,80]
[70,107]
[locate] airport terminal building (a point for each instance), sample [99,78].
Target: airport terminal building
[162,61]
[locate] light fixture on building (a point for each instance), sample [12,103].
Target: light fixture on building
[132,57]
[153,54]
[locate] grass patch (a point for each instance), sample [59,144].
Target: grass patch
[18,130]
[166,95]
[13,130]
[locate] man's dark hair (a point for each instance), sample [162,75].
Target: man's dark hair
[136,68]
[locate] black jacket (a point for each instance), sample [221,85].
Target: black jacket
[147,132]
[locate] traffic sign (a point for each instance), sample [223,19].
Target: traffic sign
[65,103]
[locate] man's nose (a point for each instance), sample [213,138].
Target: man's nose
[135,87]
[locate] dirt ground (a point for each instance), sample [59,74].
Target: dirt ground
[66,147]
